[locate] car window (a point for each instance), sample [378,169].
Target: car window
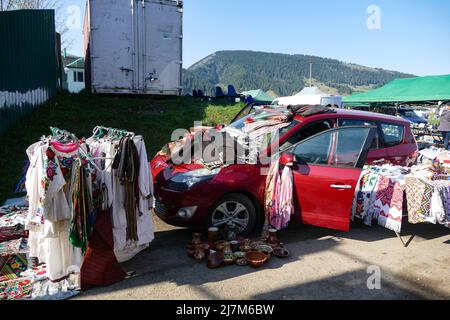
[362,122]
[338,148]
[392,134]
[306,132]
[269,137]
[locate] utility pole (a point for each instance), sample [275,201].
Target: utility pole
[1,5]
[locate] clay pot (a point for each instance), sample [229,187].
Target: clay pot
[215,259]
[200,254]
[196,238]
[213,235]
[272,239]
[227,248]
[246,246]
[234,245]
[190,250]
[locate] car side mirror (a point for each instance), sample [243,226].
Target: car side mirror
[287,159]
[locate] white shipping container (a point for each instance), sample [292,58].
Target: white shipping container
[134,46]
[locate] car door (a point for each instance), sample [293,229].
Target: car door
[326,171]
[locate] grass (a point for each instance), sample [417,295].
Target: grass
[153,117]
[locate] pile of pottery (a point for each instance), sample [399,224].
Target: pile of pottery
[240,251]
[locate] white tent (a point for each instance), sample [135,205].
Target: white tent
[310,96]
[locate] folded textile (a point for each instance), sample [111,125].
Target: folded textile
[11,266]
[418,195]
[13,217]
[17,289]
[11,233]
[14,246]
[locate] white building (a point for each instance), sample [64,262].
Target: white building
[74,70]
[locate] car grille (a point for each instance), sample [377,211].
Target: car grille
[161,208]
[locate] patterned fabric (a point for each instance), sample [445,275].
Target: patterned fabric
[14,246]
[11,233]
[83,215]
[363,206]
[418,195]
[389,203]
[279,203]
[12,265]
[440,203]
[18,289]
[12,215]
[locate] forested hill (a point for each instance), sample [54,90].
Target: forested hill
[284,74]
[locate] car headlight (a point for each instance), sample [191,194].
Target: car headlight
[186,180]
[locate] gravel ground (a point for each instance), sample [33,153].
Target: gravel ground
[324,264]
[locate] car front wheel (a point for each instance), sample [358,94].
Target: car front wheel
[234,211]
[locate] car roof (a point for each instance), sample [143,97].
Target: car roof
[357,114]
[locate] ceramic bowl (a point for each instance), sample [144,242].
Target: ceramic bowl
[255,244]
[241,262]
[229,258]
[255,258]
[280,252]
[264,249]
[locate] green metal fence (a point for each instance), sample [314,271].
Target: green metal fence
[27,62]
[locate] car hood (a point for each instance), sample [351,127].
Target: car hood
[163,169]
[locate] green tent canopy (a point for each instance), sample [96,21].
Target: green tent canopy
[420,89]
[259,96]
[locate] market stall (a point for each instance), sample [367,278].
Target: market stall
[87,209]
[388,194]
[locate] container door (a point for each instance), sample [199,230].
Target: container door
[163,47]
[111,46]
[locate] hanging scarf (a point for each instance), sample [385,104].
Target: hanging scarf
[278,197]
[82,210]
[127,165]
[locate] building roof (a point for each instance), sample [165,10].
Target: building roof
[70,61]
[420,89]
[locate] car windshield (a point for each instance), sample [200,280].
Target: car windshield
[239,124]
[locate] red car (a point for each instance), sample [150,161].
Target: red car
[328,150]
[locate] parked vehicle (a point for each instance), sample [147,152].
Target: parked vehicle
[406,113]
[325,177]
[410,115]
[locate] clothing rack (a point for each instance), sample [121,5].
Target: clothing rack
[63,135]
[101,131]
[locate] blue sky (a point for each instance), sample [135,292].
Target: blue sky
[414,35]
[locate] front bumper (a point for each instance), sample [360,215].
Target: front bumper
[169,202]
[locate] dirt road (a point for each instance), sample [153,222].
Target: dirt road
[323,264]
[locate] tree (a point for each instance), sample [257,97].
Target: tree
[60,21]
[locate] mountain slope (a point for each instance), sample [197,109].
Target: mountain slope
[284,74]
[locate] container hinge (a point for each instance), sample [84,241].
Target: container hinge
[180,10]
[126,69]
[179,62]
